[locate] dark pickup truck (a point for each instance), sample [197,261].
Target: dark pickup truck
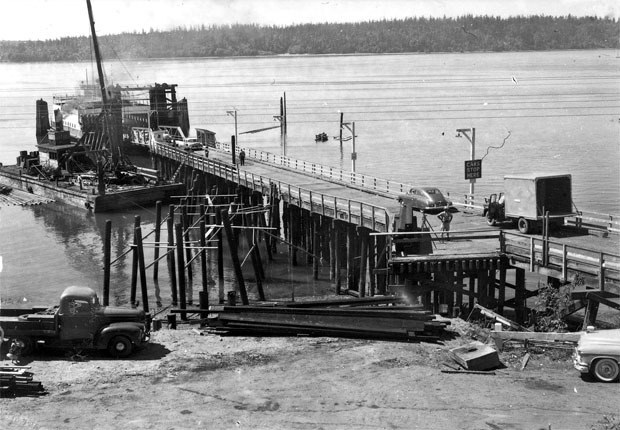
[79,321]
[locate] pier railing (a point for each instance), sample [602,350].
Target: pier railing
[528,252]
[355,212]
[561,257]
[333,174]
[470,202]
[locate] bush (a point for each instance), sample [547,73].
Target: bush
[552,305]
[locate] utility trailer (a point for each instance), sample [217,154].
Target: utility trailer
[79,321]
[527,198]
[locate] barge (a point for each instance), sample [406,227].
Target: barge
[83,146]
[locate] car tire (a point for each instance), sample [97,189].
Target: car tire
[605,369]
[524,225]
[120,347]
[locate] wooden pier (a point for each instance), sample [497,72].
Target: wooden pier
[347,219]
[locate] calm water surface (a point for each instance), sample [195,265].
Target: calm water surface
[533,112]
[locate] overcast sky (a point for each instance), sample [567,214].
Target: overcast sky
[51,19]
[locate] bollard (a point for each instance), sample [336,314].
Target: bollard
[156,325]
[172,321]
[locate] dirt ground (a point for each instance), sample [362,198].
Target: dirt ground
[190,379]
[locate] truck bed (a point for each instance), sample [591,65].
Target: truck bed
[33,324]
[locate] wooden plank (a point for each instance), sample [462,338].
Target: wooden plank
[536,336]
[497,317]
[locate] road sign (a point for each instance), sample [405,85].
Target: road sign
[473,169]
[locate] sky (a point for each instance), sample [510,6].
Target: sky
[52,19]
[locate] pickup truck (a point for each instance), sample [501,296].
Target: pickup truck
[79,321]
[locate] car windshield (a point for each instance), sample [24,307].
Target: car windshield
[432,191]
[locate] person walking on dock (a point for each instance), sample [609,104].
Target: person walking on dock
[446,218]
[242,157]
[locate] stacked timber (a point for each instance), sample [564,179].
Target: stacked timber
[18,381]
[345,318]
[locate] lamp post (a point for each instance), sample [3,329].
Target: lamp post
[233,113]
[472,141]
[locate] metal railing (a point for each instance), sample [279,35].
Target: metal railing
[355,212]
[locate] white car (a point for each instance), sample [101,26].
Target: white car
[598,353]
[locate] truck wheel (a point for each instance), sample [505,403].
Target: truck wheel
[491,221]
[524,225]
[606,370]
[120,347]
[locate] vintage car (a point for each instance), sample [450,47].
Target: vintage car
[598,353]
[426,199]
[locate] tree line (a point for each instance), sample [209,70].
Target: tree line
[464,34]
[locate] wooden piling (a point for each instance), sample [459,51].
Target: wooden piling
[331,234]
[142,267]
[350,257]
[337,256]
[501,294]
[134,264]
[372,255]
[186,222]
[232,244]
[381,266]
[107,245]
[255,264]
[157,239]
[363,245]
[459,294]
[170,258]
[266,237]
[520,295]
[178,228]
[203,259]
[275,221]
[315,246]
[472,289]
[220,257]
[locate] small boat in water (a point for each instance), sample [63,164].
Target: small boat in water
[321,137]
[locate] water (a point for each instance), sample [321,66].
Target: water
[533,112]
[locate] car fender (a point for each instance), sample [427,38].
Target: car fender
[133,331]
[592,358]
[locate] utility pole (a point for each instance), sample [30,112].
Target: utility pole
[233,113]
[472,140]
[351,127]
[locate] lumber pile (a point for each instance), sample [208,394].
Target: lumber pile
[18,381]
[369,317]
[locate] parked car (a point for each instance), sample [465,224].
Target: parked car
[598,353]
[426,199]
[190,144]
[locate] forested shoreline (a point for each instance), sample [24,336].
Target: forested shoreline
[464,34]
